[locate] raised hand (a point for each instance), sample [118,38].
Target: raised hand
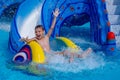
[56,12]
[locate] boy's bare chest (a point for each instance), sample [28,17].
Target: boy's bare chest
[43,42]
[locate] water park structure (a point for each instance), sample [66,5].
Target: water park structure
[73,12]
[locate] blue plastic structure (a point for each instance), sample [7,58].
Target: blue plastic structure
[72,12]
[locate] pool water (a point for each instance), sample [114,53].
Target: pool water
[95,67]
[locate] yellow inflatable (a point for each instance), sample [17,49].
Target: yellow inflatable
[38,55]
[37,52]
[69,43]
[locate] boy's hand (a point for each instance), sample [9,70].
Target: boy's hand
[56,12]
[24,39]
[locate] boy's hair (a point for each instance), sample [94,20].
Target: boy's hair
[39,26]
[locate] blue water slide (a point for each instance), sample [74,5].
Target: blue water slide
[26,18]
[72,12]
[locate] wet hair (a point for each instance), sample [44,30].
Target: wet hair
[40,26]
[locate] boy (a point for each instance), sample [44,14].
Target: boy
[43,40]
[39,32]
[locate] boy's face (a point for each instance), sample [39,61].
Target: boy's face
[39,32]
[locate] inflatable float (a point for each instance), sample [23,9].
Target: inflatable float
[34,52]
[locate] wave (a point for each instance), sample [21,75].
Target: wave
[61,63]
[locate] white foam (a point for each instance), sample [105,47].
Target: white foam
[61,63]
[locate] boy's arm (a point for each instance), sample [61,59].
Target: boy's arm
[55,13]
